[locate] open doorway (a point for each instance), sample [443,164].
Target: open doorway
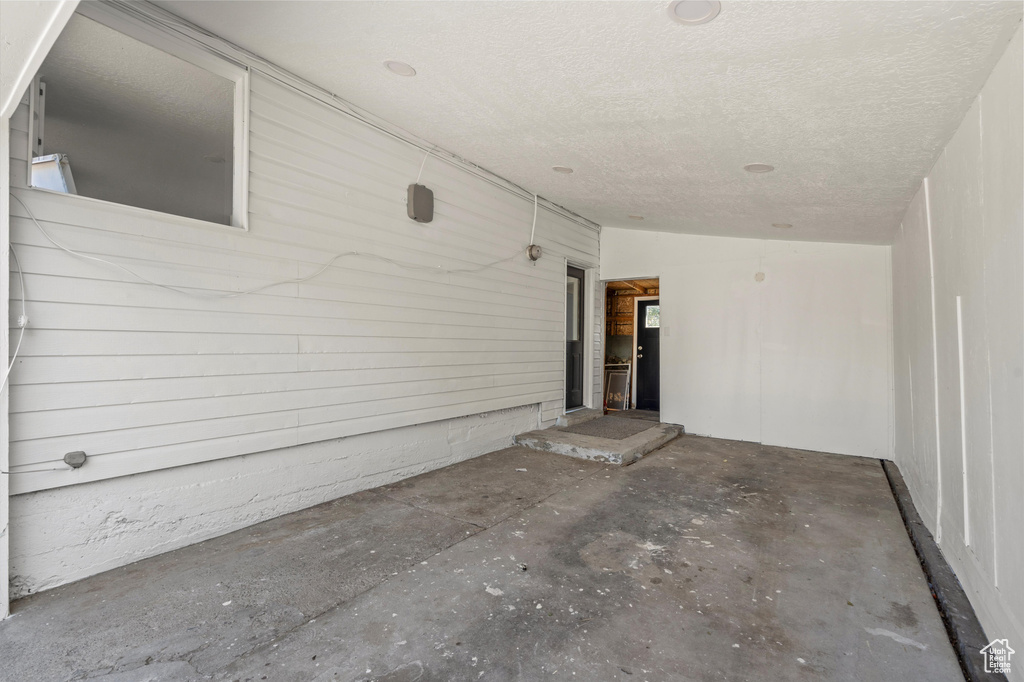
[632,345]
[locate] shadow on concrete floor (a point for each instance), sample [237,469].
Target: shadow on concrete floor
[708,559]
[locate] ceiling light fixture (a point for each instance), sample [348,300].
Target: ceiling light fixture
[758,168]
[400,68]
[694,12]
[562,169]
[636,217]
[782,225]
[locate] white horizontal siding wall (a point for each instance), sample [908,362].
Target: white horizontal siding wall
[142,378]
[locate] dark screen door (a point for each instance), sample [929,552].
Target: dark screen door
[573,337]
[648,352]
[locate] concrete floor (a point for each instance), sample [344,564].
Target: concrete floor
[648,415]
[706,560]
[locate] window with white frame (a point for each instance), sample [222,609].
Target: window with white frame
[124,112]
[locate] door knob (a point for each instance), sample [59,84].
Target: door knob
[639,356]
[639,347]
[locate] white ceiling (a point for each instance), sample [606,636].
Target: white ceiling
[851,101]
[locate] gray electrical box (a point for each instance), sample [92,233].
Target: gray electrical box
[421,204]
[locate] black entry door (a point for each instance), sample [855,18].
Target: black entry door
[573,337]
[648,353]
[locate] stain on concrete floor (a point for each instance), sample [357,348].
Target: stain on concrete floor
[648,415]
[707,560]
[614,428]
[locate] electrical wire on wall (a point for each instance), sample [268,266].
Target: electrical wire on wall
[533,230]
[22,323]
[425,157]
[191,293]
[235,294]
[22,320]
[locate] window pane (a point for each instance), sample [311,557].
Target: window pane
[653,319]
[572,309]
[139,126]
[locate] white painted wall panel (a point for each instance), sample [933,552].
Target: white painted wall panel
[956,194]
[143,378]
[710,365]
[1002,151]
[824,348]
[974,214]
[799,359]
[916,450]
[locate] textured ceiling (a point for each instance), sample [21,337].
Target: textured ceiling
[105,79]
[139,126]
[850,101]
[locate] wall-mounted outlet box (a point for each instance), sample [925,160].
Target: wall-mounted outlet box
[421,204]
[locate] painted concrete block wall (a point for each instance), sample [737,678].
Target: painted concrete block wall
[958,284]
[64,534]
[799,358]
[146,380]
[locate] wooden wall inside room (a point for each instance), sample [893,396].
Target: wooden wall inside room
[619,306]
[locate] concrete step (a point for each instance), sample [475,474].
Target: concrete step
[578,417]
[620,452]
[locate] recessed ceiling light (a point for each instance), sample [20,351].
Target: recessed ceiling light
[401,68]
[562,169]
[694,11]
[758,168]
[782,225]
[636,217]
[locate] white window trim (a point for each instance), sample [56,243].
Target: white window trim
[193,52]
[590,284]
